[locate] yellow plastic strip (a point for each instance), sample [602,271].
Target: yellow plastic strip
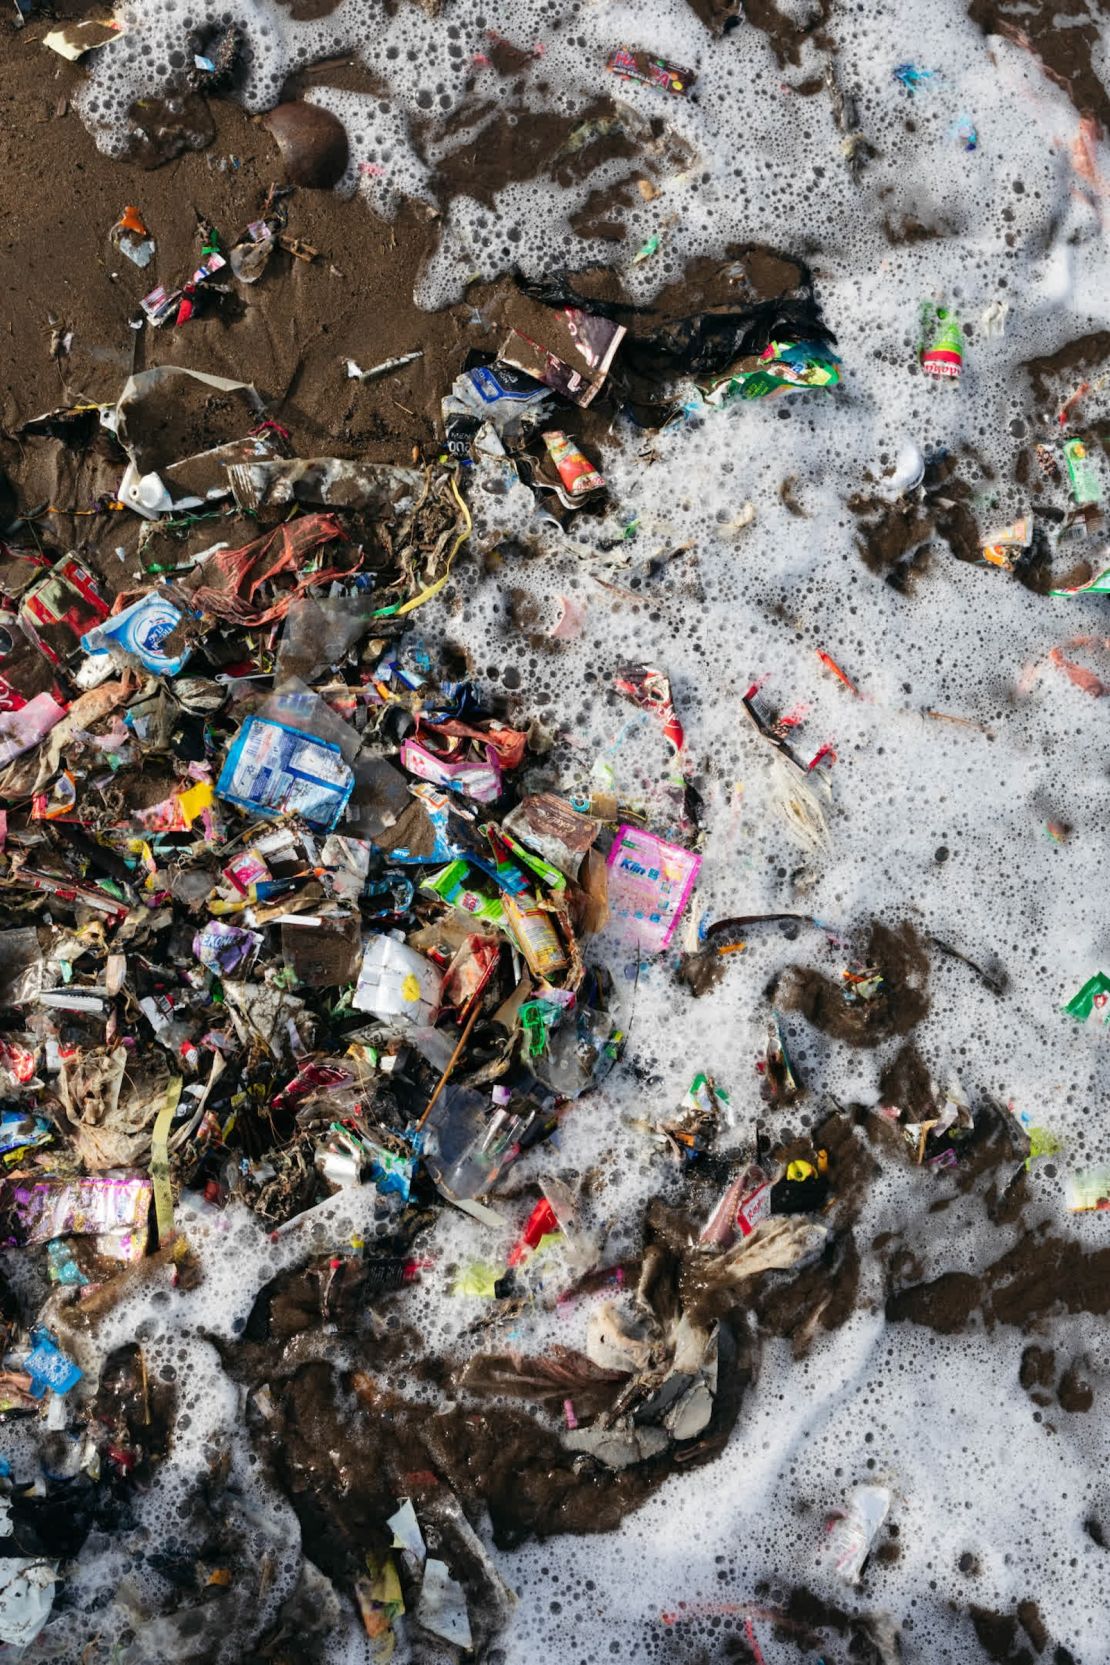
[160,1162]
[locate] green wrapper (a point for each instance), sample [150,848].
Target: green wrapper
[1089,1190]
[1099,585]
[450,883]
[941,348]
[1093,996]
[1082,473]
[782,367]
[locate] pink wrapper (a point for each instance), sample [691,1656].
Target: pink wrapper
[649,885]
[480,781]
[113,1208]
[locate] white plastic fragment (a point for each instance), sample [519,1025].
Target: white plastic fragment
[442,1606]
[853,1533]
[26,1597]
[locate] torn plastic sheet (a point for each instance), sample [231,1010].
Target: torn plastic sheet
[322,950]
[249,256]
[333,481]
[1089,1190]
[74,39]
[109,1110]
[617,1448]
[442,1605]
[379,794]
[489,1595]
[139,423]
[853,1533]
[380,799]
[395,981]
[684,1400]
[26,1598]
[295,705]
[21,966]
[776,1244]
[616,1342]
[262,1013]
[194,481]
[34,774]
[347,861]
[407,1536]
[320,631]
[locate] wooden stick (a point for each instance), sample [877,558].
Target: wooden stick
[451,1062]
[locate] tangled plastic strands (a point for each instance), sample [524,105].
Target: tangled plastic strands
[430,591]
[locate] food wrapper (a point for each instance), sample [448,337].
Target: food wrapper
[652,70]
[19,1132]
[31,701]
[1082,475]
[142,629]
[566,349]
[942,342]
[480,781]
[554,829]
[1094,996]
[58,610]
[753,1208]
[999,544]
[649,885]
[450,884]
[578,474]
[48,1367]
[782,367]
[1089,1190]
[1098,585]
[25,723]
[225,948]
[113,1208]
[500,395]
[272,770]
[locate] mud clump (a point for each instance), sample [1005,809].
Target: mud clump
[899,1005]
